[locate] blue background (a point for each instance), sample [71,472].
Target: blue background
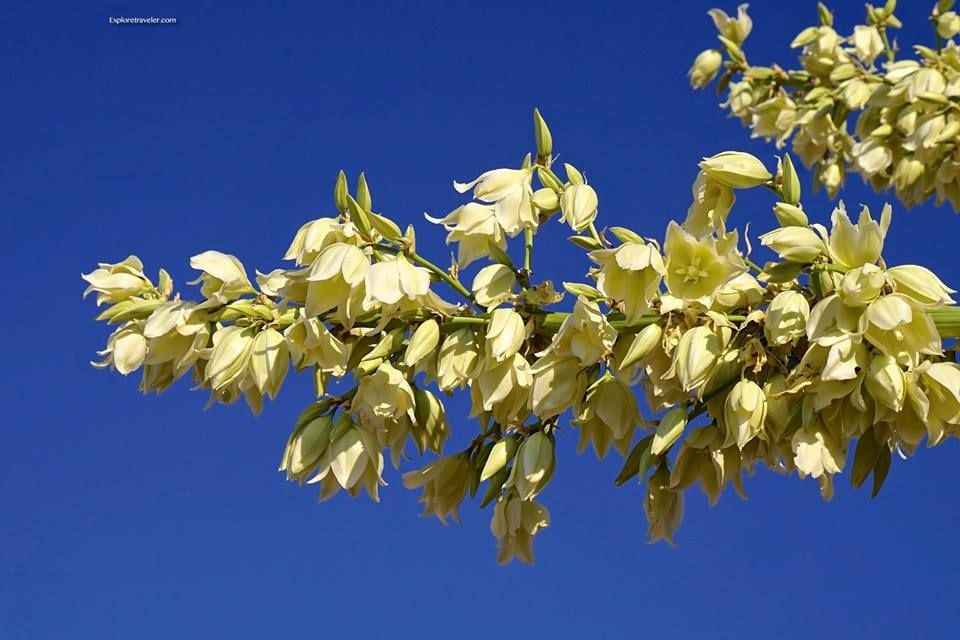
[133,517]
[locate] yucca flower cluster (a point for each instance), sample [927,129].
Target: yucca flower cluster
[852,105]
[784,365]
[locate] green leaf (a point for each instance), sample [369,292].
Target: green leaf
[637,462]
[865,459]
[880,471]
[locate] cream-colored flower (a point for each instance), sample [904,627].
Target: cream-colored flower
[886,382]
[669,430]
[861,286]
[795,244]
[457,359]
[630,274]
[899,329]
[423,342]
[586,334]
[474,227]
[921,285]
[532,466]
[126,349]
[695,356]
[503,390]
[556,385]
[514,524]
[511,195]
[948,24]
[444,484]
[663,507]
[867,42]
[786,318]
[697,269]
[505,334]
[116,282]
[736,169]
[740,291]
[269,360]
[705,67]
[816,452]
[315,236]
[305,448]
[353,461]
[578,206]
[608,414]
[854,245]
[393,281]
[230,357]
[735,29]
[223,278]
[712,201]
[336,280]
[312,344]
[493,285]
[382,397]
[744,413]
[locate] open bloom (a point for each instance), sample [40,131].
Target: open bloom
[854,245]
[223,278]
[392,281]
[697,269]
[712,201]
[474,227]
[586,334]
[116,282]
[630,274]
[514,524]
[335,280]
[511,195]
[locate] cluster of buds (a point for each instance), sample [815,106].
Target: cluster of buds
[852,105]
[784,365]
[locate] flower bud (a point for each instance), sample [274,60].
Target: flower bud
[532,467]
[546,200]
[543,137]
[795,244]
[696,354]
[789,181]
[948,25]
[744,412]
[422,343]
[736,169]
[555,385]
[578,205]
[642,345]
[340,193]
[493,284]
[786,318]
[886,383]
[705,68]
[505,334]
[669,430]
[789,215]
[269,361]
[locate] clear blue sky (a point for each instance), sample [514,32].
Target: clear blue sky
[132,517]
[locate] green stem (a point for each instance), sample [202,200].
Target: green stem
[528,253]
[416,258]
[891,54]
